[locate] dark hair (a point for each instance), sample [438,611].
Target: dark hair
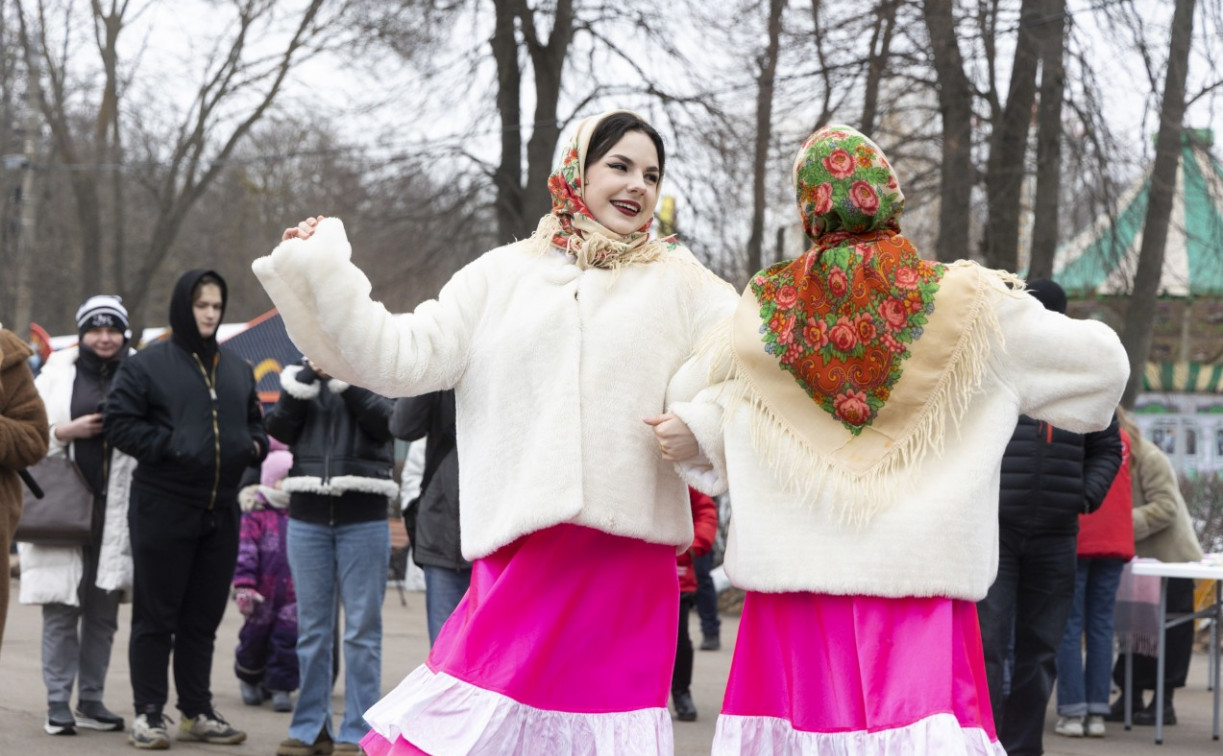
[205,280]
[612,129]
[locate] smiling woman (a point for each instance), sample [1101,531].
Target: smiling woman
[558,347]
[623,176]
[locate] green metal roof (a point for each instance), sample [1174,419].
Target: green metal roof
[1102,258]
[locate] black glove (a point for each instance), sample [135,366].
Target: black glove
[306,374]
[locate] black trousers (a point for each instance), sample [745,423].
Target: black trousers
[681,677]
[1178,648]
[1033,594]
[183,558]
[706,596]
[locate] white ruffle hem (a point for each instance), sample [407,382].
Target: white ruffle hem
[936,735]
[440,714]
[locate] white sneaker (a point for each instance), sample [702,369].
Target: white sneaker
[1095,725]
[209,727]
[149,732]
[1070,727]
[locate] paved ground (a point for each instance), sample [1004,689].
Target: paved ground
[405,644]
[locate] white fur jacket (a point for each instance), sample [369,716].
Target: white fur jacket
[933,525]
[51,574]
[554,369]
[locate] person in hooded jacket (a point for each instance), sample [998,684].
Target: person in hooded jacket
[339,543]
[1050,476]
[188,411]
[79,587]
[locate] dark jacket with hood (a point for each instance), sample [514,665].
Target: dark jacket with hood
[433,517]
[187,410]
[343,452]
[1051,476]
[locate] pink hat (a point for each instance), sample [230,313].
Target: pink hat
[275,468]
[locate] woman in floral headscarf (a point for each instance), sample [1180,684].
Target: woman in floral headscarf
[558,347]
[862,402]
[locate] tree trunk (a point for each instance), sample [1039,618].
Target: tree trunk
[881,45]
[764,130]
[1045,226]
[1009,146]
[548,65]
[507,178]
[1140,315]
[955,106]
[108,270]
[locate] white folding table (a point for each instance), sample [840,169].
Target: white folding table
[1208,570]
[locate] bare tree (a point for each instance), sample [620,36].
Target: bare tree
[877,62]
[955,97]
[1139,316]
[1009,143]
[238,87]
[1046,226]
[765,80]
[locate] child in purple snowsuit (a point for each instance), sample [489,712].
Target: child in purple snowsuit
[266,659]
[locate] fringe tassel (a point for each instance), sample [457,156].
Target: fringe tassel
[812,476]
[596,250]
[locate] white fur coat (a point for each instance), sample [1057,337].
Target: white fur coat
[939,536]
[51,574]
[554,369]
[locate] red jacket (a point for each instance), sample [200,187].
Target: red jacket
[1109,531]
[705,530]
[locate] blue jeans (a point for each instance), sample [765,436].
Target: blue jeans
[353,560]
[444,588]
[1084,689]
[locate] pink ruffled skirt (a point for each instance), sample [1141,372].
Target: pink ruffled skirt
[867,676]
[563,645]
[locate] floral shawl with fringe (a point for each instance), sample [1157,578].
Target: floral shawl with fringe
[858,354]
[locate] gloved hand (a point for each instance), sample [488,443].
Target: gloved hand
[307,374]
[247,599]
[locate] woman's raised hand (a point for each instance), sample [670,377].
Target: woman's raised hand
[303,230]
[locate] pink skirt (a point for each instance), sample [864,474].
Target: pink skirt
[838,675]
[564,644]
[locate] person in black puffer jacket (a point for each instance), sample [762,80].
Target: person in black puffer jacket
[1049,477]
[338,540]
[433,516]
[187,410]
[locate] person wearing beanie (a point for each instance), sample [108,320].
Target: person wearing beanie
[80,587]
[1050,476]
[186,408]
[266,658]
[103,311]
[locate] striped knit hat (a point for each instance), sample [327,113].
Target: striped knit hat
[102,311]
